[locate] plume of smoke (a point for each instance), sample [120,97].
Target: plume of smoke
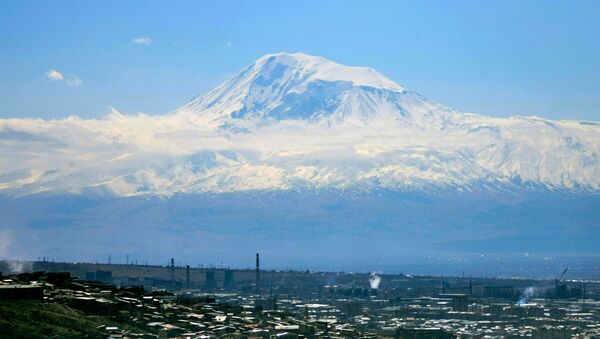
[374,280]
[13,266]
[527,294]
[18,266]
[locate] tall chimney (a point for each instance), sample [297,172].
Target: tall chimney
[257,274]
[172,271]
[187,276]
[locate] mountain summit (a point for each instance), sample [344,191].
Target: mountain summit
[297,86]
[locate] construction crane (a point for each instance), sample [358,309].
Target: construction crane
[562,274]
[560,290]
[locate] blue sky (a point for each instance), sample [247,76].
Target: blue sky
[498,58]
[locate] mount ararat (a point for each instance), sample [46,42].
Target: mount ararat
[299,152]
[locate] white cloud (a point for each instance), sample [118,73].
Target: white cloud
[142,41]
[228,44]
[138,154]
[54,75]
[71,80]
[74,81]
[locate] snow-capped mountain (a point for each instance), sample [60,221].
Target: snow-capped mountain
[301,87]
[307,161]
[294,122]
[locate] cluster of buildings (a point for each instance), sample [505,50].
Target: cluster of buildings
[223,303]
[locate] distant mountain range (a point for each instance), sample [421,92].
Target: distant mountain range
[301,152]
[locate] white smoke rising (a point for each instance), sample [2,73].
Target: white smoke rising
[527,294]
[374,280]
[18,266]
[6,252]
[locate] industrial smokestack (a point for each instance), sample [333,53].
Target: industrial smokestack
[187,276]
[257,274]
[172,271]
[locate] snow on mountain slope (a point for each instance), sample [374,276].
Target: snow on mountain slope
[297,86]
[293,121]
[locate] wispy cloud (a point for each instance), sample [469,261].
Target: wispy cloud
[71,80]
[228,44]
[54,75]
[142,41]
[74,81]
